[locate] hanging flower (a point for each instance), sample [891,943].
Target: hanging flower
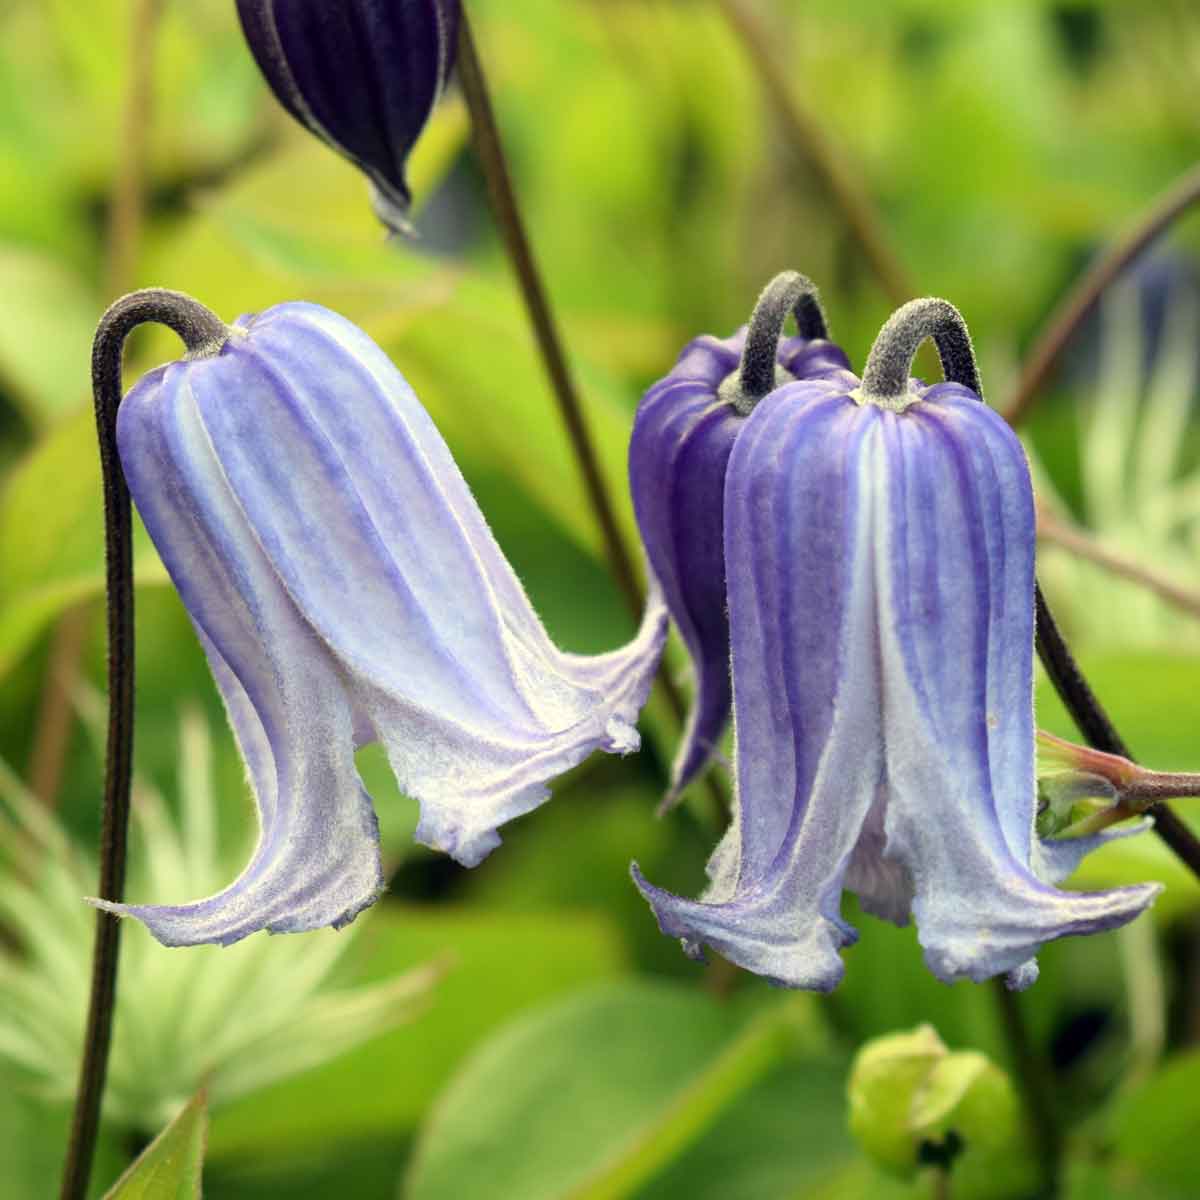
[347,589]
[685,429]
[363,75]
[879,544]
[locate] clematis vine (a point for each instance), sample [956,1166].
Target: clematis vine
[346,589]
[686,426]
[879,555]
[363,75]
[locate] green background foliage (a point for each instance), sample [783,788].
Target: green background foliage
[570,1050]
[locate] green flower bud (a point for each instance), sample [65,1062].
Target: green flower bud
[914,1103]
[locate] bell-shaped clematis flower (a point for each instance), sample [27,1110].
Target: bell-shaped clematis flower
[685,429]
[363,75]
[879,544]
[347,590]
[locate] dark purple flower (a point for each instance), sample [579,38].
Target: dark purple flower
[363,75]
[879,542]
[685,429]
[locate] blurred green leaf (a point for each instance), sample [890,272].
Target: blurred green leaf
[170,1167]
[33,1136]
[498,966]
[47,315]
[52,538]
[1156,1127]
[1114,1180]
[784,1137]
[593,1097]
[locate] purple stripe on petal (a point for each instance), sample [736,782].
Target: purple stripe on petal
[681,443]
[346,587]
[363,75]
[880,586]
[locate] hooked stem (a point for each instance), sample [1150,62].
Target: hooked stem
[788,292]
[885,379]
[202,333]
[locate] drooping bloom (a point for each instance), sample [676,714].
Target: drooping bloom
[347,589]
[363,75]
[879,548]
[685,429]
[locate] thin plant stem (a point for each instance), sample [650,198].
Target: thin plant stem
[1105,270]
[512,230]
[1098,730]
[1076,542]
[200,331]
[52,726]
[806,135]
[1035,1086]
[494,162]
[1161,785]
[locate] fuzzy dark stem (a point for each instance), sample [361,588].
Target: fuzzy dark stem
[1098,731]
[1075,306]
[494,162]
[202,333]
[1161,785]
[788,292]
[885,377]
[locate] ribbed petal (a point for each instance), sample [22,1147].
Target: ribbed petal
[681,443]
[348,589]
[363,75]
[317,859]
[881,607]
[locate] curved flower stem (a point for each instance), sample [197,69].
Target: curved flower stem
[885,377]
[1075,306]
[503,197]
[1098,731]
[851,200]
[788,292]
[202,333]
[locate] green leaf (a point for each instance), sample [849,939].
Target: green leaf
[33,1134]
[499,965]
[784,1137]
[595,1096]
[1157,1125]
[170,1167]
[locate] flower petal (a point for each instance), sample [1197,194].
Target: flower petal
[880,579]
[317,858]
[363,75]
[678,453]
[349,590]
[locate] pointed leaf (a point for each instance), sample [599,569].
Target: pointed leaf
[169,1168]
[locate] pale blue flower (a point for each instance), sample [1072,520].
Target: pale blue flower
[347,590]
